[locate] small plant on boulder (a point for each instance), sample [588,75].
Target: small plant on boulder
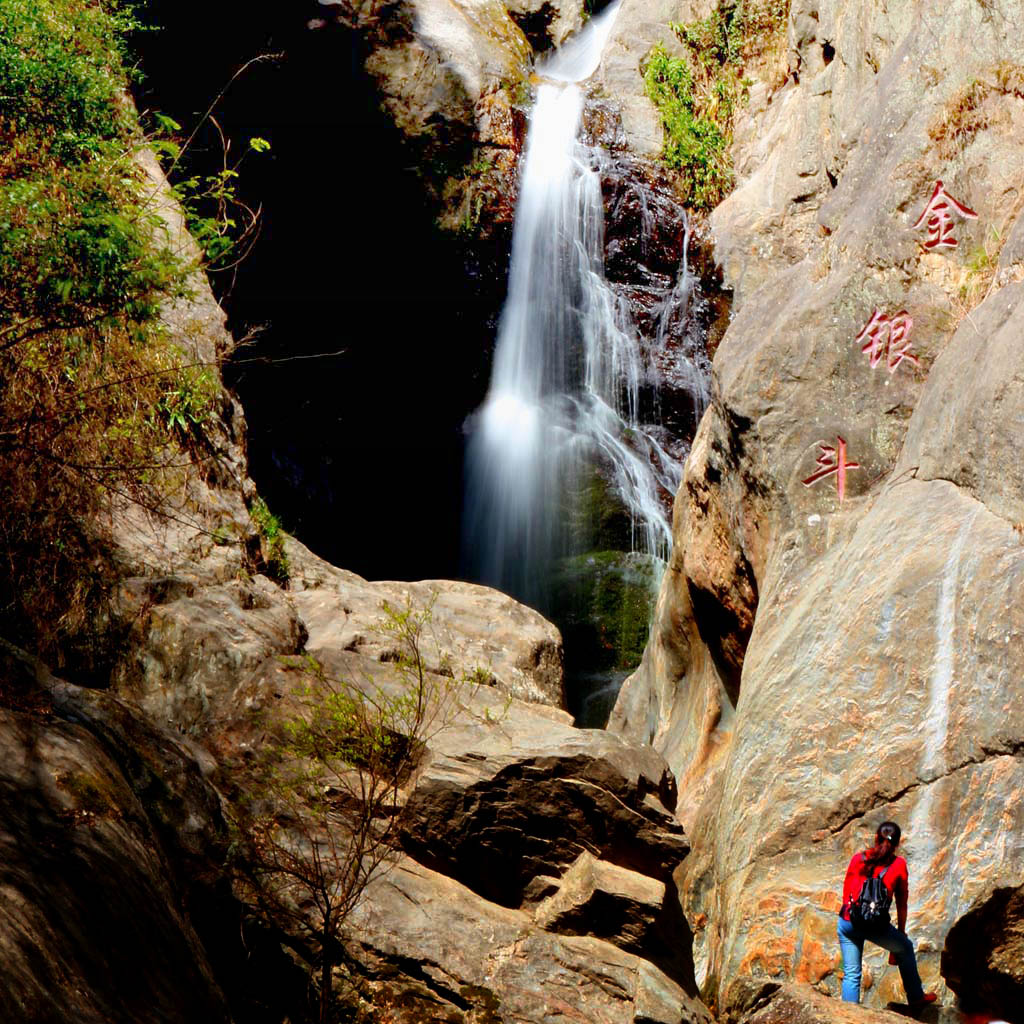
[320,819]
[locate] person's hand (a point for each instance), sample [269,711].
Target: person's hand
[892,959]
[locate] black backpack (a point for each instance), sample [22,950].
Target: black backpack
[871,907]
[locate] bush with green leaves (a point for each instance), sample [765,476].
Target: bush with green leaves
[271,532]
[697,93]
[99,401]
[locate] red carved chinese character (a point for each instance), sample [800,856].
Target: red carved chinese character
[888,336]
[831,461]
[875,337]
[899,341]
[938,215]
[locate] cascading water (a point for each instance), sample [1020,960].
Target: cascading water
[569,366]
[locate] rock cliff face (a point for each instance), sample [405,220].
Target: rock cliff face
[449,76]
[537,859]
[831,652]
[108,830]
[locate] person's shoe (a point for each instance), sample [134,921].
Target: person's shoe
[920,1004]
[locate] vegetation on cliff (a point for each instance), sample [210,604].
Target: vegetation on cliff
[696,94]
[100,401]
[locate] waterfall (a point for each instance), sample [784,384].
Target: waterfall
[569,365]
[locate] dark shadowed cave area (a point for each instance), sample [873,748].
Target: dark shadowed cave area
[359,453]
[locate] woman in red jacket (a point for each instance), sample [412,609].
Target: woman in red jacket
[880,862]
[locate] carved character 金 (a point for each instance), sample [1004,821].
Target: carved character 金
[832,460]
[938,217]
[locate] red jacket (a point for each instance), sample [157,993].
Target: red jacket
[894,876]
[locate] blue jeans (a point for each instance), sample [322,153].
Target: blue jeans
[851,942]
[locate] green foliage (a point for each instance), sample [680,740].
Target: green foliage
[697,124]
[98,400]
[697,94]
[186,403]
[60,71]
[76,227]
[210,202]
[272,539]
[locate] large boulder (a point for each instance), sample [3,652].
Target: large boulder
[606,901]
[437,951]
[821,661]
[207,653]
[106,827]
[469,627]
[983,959]
[759,1002]
[499,803]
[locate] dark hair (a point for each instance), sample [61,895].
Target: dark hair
[887,838]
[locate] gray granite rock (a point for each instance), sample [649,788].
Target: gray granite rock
[496,964]
[499,803]
[816,664]
[108,828]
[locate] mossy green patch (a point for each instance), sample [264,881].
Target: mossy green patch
[597,516]
[605,599]
[91,794]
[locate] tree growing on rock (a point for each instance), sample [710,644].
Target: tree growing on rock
[321,820]
[109,398]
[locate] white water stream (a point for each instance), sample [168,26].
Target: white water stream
[568,364]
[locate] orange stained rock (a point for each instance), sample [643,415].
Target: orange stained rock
[770,904]
[773,957]
[830,900]
[815,961]
[891,988]
[498,125]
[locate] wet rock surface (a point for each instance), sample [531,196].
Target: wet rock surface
[647,247]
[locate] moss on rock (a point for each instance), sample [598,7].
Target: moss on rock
[607,597]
